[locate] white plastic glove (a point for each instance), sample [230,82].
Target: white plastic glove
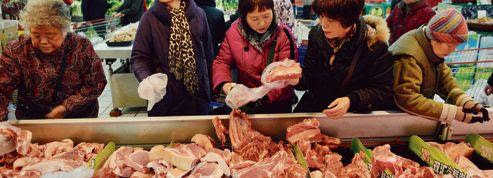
[241,95]
[280,74]
[153,88]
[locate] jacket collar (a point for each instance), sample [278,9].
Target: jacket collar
[273,36]
[162,12]
[425,44]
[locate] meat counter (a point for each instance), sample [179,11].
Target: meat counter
[378,127]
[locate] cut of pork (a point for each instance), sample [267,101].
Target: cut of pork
[221,130]
[453,150]
[384,159]
[205,169]
[303,130]
[183,156]
[212,157]
[288,70]
[246,141]
[160,167]
[53,165]
[357,169]
[204,141]
[278,165]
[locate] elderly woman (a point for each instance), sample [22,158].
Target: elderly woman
[57,73]
[420,72]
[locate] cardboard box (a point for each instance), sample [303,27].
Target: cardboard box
[8,31]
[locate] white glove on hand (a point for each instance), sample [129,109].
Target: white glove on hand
[153,89]
[241,95]
[280,74]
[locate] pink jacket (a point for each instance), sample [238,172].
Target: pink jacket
[237,52]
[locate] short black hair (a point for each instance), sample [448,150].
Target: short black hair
[246,6]
[347,12]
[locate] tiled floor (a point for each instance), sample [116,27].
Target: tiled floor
[105,101]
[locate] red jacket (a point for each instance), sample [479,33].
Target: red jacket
[237,52]
[400,23]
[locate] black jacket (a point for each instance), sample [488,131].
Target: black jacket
[150,56]
[94,9]
[132,11]
[215,19]
[369,88]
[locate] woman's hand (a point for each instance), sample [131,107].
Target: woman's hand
[227,87]
[338,108]
[57,112]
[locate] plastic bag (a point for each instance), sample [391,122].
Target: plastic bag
[80,172]
[11,109]
[269,73]
[153,88]
[241,95]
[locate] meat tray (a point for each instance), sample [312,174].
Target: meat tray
[376,128]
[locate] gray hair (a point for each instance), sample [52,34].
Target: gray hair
[46,12]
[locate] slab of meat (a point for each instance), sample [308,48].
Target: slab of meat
[176,173]
[241,132]
[357,169]
[246,141]
[205,169]
[55,148]
[470,168]
[141,175]
[453,150]
[204,141]
[279,165]
[322,139]
[25,161]
[89,149]
[53,165]
[23,141]
[212,157]
[10,139]
[303,130]
[221,131]
[225,154]
[421,172]
[288,70]
[383,159]
[237,159]
[316,174]
[333,163]
[126,160]
[160,167]
[183,156]
[105,172]
[9,158]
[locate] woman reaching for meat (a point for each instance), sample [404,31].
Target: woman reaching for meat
[253,42]
[347,66]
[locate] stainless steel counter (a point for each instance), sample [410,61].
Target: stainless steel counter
[160,130]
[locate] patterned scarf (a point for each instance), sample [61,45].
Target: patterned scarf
[337,43]
[257,39]
[181,57]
